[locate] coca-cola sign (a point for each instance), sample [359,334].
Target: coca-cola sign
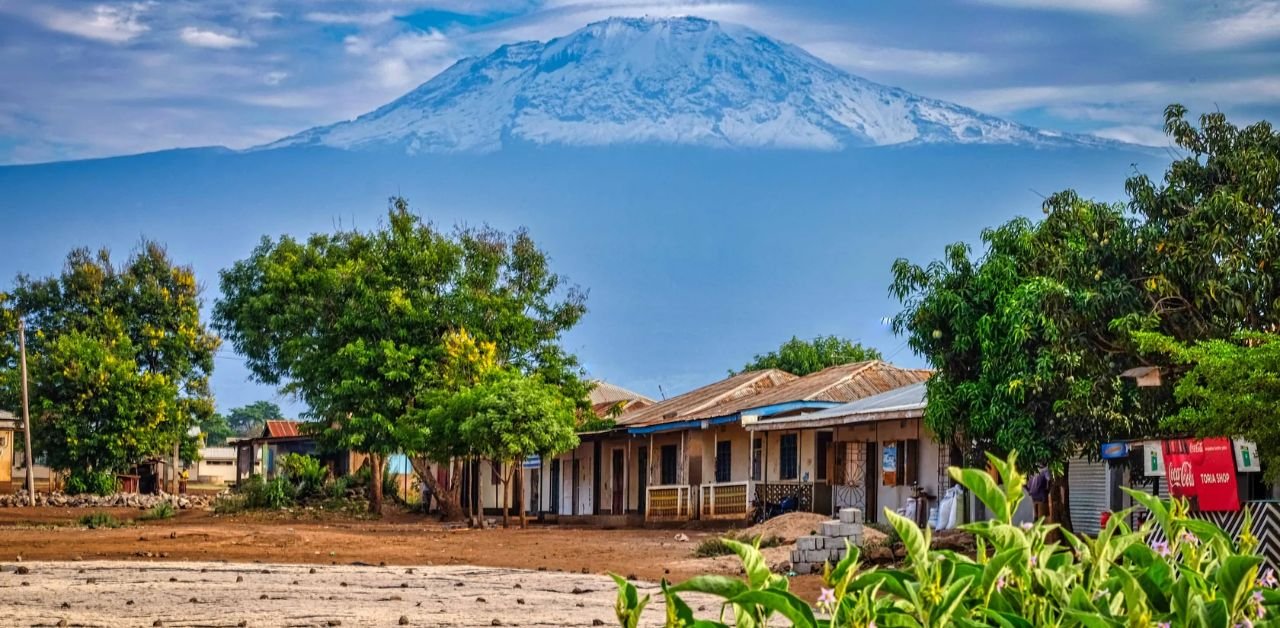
[1202,470]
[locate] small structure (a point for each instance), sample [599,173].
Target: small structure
[830,545]
[217,465]
[8,426]
[878,454]
[260,455]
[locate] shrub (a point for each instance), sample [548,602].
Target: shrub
[95,520]
[306,475]
[228,504]
[162,510]
[272,494]
[717,546]
[1019,577]
[96,482]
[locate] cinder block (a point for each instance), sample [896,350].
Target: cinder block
[850,515]
[797,556]
[806,543]
[840,530]
[801,569]
[817,556]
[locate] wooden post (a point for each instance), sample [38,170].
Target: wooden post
[176,447]
[29,455]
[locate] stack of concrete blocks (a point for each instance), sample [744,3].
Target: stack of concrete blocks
[828,546]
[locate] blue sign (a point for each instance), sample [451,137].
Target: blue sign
[1113,451]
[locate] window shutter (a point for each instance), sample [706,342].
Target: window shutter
[912,462]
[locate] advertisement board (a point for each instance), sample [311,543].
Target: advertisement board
[1153,459]
[1203,470]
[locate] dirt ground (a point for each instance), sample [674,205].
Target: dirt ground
[118,593]
[331,539]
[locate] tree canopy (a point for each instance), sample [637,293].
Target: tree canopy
[802,357]
[119,361]
[1029,339]
[353,323]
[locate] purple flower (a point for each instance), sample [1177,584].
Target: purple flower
[827,596]
[1161,548]
[1027,525]
[1033,560]
[1269,578]
[1000,583]
[1188,537]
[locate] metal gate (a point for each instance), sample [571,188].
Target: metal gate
[851,476]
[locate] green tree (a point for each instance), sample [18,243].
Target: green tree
[353,323]
[119,361]
[252,419]
[802,357]
[511,416]
[1029,338]
[1229,388]
[215,430]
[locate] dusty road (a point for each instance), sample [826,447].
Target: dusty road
[118,593]
[204,554]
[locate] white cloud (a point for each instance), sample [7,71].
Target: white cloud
[1259,22]
[859,58]
[359,19]
[203,38]
[1122,97]
[274,78]
[1110,7]
[116,24]
[1143,135]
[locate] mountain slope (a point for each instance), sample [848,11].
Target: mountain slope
[670,81]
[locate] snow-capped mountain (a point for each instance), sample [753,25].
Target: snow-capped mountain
[670,81]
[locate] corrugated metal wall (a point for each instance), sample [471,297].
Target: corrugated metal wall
[1088,494]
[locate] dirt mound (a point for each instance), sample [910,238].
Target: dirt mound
[788,527]
[872,536]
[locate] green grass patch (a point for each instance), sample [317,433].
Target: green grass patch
[717,547]
[96,520]
[162,510]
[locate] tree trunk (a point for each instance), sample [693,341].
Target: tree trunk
[524,521]
[1060,501]
[375,484]
[506,504]
[447,495]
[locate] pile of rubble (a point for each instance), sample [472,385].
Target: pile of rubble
[118,500]
[828,546]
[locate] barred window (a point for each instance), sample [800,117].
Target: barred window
[788,456]
[724,461]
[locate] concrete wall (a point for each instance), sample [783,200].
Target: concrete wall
[927,473]
[773,455]
[739,455]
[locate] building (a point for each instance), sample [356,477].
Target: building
[217,465]
[691,456]
[8,427]
[260,455]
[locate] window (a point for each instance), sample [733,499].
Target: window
[757,457]
[670,463]
[724,461]
[788,456]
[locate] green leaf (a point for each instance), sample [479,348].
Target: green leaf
[913,539]
[720,586]
[984,487]
[753,563]
[940,614]
[786,604]
[1235,579]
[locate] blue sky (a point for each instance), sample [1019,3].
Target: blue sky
[89,79]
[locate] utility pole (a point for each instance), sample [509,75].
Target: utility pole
[26,413]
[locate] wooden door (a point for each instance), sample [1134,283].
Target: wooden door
[642,477]
[619,475]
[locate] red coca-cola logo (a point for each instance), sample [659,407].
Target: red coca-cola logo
[1181,475]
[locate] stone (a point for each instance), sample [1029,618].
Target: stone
[850,515]
[840,530]
[404,620]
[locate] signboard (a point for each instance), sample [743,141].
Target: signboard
[1246,456]
[1202,470]
[1113,451]
[889,463]
[532,462]
[1153,459]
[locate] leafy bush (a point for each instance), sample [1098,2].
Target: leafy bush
[1019,578]
[96,520]
[718,547]
[228,504]
[96,482]
[391,487]
[891,537]
[162,510]
[272,494]
[306,475]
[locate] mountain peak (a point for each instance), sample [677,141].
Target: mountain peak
[669,80]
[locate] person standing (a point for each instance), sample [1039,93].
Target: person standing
[1038,491]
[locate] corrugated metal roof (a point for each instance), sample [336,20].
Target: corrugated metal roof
[701,400]
[276,429]
[760,389]
[900,401]
[604,392]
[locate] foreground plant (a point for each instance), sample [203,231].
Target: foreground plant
[1196,576]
